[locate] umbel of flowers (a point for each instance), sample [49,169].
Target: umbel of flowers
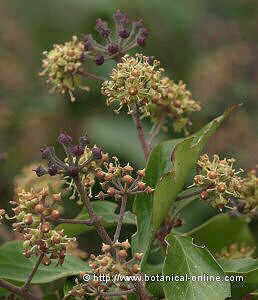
[218,180]
[115,271]
[34,212]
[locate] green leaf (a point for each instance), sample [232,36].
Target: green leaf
[222,231]
[168,169]
[193,212]
[247,268]
[14,266]
[184,257]
[106,209]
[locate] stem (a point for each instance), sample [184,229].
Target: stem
[92,76]
[120,218]
[74,221]
[120,293]
[17,290]
[26,286]
[190,195]
[95,219]
[138,124]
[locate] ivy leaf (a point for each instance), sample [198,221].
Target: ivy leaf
[106,209]
[183,257]
[168,169]
[14,266]
[222,231]
[246,268]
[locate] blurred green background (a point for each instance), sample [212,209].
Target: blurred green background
[211,45]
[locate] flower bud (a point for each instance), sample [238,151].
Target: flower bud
[55,214]
[212,174]
[28,220]
[127,179]
[136,268]
[39,208]
[45,228]
[122,254]
[111,191]
[64,139]
[96,153]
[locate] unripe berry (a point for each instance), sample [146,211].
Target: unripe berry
[141,185]
[204,195]
[111,191]
[28,219]
[55,214]
[122,253]
[46,261]
[132,91]
[138,256]
[56,239]
[221,187]
[141,172]
[127,179]
[45,228]
[39,208]
[128,168]
[212,174]
[136,268]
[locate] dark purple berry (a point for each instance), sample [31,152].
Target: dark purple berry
[151,59]
[124,34]
[144,32]
[84,141]
[120,18]
[102,28]
[64,139]
[99,60]
[73,171]
[40,171]
[52,170]
[45,152]
[77,150]
[113,48]
[96,153]
[141,41]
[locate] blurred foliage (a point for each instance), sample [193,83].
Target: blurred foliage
[211,45]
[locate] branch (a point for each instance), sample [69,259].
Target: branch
[138,124]
[120,218]
[26,286]
[95,219]
[17,290]
[119,293]
[92,76]
[190,195]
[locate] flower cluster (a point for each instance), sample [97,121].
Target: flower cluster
[2,214]
[117,180]
[218,180]
[63,66]
[175,102]
[128,34]
[134,81]
[91,163]
[115,269]
[81,159]
[236,251]
[33,211]
[248,202]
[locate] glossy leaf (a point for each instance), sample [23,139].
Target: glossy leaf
[222,231]
[14,266]
[167,170]
[184,257]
